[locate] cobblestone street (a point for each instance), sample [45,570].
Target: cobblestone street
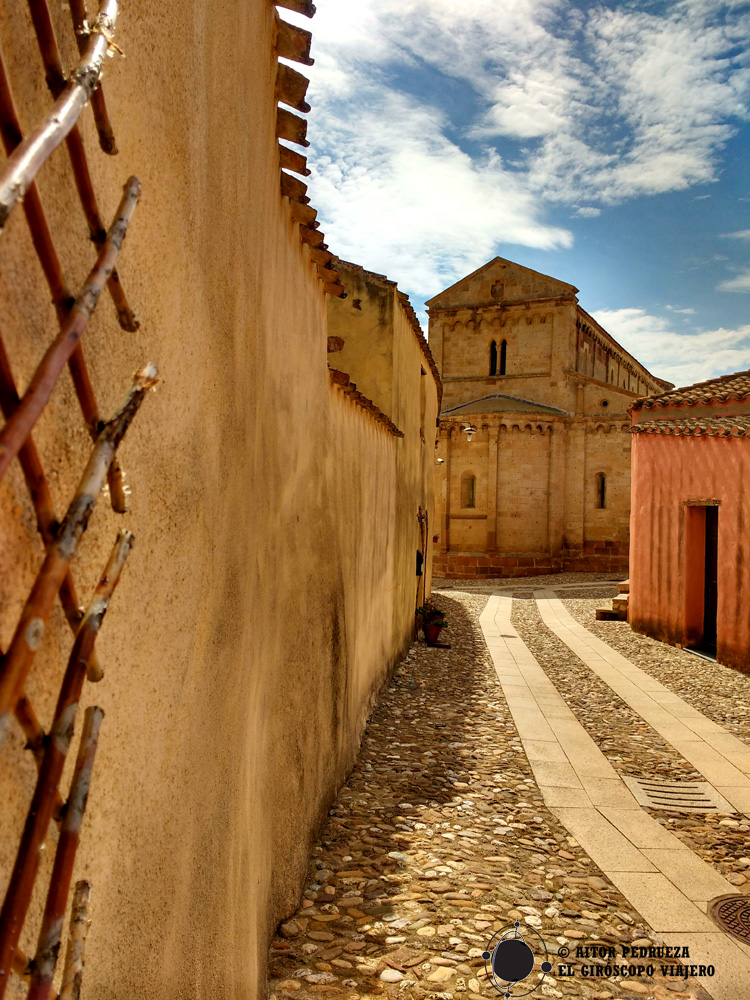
[441,835]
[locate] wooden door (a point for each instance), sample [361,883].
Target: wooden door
[711,577]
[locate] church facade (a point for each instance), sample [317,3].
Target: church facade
[533,472]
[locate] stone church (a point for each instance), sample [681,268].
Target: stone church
[533,470]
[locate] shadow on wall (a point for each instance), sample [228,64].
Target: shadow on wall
[419,751]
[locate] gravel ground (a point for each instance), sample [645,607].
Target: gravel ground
[628,742]
[718,692]
[438,839]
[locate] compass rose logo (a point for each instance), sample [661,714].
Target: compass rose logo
[512,959]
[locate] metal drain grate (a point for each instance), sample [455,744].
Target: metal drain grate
[732,914]
[679,796]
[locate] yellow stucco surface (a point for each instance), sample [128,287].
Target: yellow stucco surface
[546,427]
[271,583]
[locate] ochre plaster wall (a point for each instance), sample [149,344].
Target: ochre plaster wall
[256,617]
[384,357]
[666,472]
[364,321]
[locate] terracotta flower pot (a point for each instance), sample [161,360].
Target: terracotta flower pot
[432,632]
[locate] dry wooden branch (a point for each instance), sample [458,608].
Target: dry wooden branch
[79,925]
[42,21]
[293,42]
[98,105]
[30,629]
[291,87]
[18,895]
[290,159]
[306,7]
[21,966]
[45,377]
[42,500]
[27,159]
[12,137]
[62,295]
[291,127]
[50,934]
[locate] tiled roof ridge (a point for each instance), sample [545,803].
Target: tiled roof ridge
[293,43]
[342,381]
[501,395]
[726,425]
[600,331]
[713,390]
[410,315]
[423,342]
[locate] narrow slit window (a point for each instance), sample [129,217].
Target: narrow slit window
[468,490]
[503,356]
[493,358]
[601,491]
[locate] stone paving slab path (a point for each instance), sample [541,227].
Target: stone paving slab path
[440,837]
[663,879]
[719,756]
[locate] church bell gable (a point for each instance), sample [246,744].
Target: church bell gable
[501,282]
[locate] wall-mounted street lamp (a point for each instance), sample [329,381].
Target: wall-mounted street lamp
[470,430]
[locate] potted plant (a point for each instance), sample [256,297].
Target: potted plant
[432,620]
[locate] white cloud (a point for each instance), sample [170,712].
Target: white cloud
[409,202]
[682,312]
[741,234]
[682,358]
[601,106]
[740,283]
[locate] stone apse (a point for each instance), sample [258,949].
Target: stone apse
[533,456]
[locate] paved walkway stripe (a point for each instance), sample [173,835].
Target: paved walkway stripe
[719,756]
[666,881]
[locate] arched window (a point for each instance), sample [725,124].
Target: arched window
[493,358]
[503,356]
[601,491]
[468,490]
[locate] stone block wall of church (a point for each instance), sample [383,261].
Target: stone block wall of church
[538,343]
[548,494]
[256,618]
[608,453]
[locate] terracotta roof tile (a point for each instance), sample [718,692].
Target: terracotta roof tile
[727,425]
[726,388]
[341,381]
[411,317]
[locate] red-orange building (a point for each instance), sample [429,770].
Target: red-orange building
[690,518]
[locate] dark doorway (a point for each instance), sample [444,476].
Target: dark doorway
[711,577]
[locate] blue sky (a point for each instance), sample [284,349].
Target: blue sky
[606,144]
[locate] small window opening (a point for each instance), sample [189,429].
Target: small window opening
[468,490]
[503,356]
[493,358]
[601,491]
